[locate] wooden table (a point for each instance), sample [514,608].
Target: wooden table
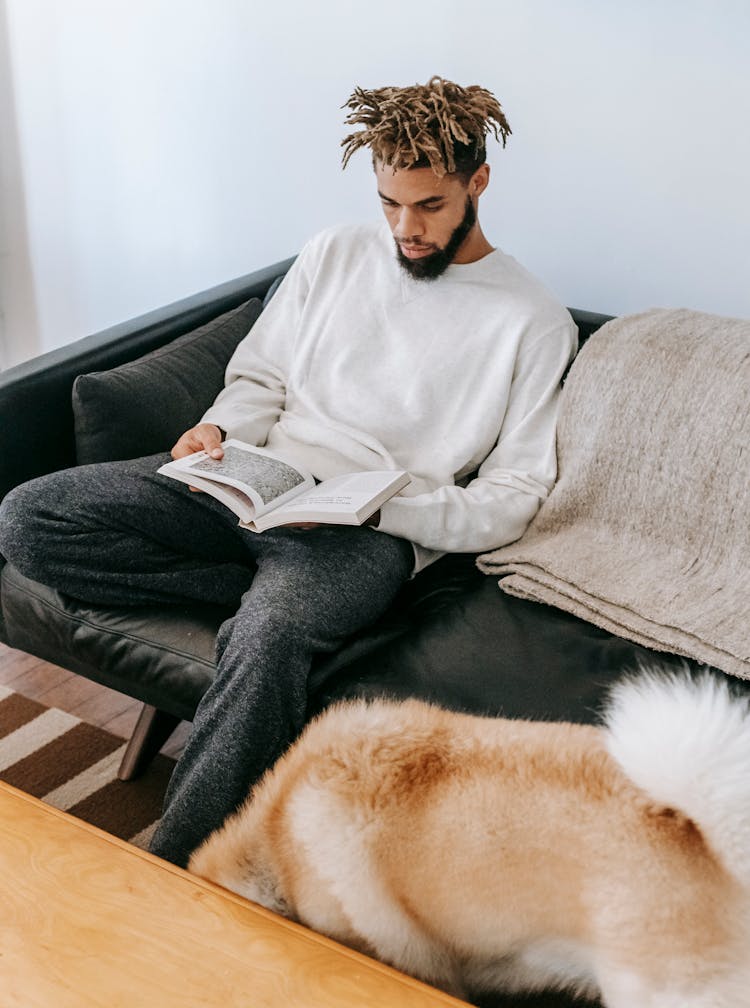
[88,920]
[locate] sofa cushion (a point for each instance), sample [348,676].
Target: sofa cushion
[163,656]
[452,638]
[143,406]
[472,648]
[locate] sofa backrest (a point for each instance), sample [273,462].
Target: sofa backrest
[36,413]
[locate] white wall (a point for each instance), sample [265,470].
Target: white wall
[152,148]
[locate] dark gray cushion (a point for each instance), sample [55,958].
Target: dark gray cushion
[143,407]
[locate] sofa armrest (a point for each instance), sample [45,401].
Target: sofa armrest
[36,415]
[588,322]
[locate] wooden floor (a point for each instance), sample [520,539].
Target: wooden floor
[95,704]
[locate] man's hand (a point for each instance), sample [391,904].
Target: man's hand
[204,437]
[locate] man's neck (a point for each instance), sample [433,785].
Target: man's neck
[474,248]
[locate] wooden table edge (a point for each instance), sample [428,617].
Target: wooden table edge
[306,933]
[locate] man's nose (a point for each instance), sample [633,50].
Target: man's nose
[409,224]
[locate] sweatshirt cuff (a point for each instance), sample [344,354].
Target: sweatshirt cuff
[400,521]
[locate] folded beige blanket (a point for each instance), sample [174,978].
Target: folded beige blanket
[647,530]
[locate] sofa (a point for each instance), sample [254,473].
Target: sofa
[451,637]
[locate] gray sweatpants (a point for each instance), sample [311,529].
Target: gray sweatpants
[117,533]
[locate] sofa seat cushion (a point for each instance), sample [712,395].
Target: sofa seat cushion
[163,657]
[452,638]
[484,652]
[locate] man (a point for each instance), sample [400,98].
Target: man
[414,346]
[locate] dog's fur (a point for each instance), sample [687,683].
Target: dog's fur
[484,853]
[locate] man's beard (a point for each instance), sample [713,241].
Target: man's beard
[431,266]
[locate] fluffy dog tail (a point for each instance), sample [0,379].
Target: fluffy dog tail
[686,742]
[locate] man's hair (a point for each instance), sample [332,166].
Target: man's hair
[439,124]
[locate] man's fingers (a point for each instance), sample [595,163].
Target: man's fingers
[210,437]
[204,437]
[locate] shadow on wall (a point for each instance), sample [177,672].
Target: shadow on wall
[19,323]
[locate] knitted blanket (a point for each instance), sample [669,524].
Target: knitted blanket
[647,531]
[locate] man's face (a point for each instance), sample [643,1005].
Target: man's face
[430,218]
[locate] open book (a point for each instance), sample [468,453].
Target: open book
[264,491]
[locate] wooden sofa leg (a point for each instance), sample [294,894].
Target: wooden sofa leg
[152,730]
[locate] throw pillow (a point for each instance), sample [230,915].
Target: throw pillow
[143,406]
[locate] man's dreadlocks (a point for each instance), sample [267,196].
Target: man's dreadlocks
[439,124]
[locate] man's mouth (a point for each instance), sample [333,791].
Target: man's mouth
[414,251]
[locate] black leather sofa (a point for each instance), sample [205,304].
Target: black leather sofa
[451,637]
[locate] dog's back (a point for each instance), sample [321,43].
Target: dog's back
[485,852]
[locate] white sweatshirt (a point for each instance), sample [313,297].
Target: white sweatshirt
[354,365]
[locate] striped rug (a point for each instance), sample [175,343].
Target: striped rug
[73,766]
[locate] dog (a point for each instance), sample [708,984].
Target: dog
[481,854]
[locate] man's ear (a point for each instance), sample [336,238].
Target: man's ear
[479,181]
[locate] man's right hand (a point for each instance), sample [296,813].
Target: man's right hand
[204,437]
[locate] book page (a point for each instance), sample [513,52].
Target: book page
[354,494]
[269,477]
[263,477]
[345,493]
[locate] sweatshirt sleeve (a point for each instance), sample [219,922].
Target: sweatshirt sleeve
[495,507]
[254,392]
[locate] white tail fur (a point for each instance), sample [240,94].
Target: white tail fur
[686,742]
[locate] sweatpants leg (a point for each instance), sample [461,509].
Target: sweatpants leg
[312,589]
[116,533]
[119,534]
